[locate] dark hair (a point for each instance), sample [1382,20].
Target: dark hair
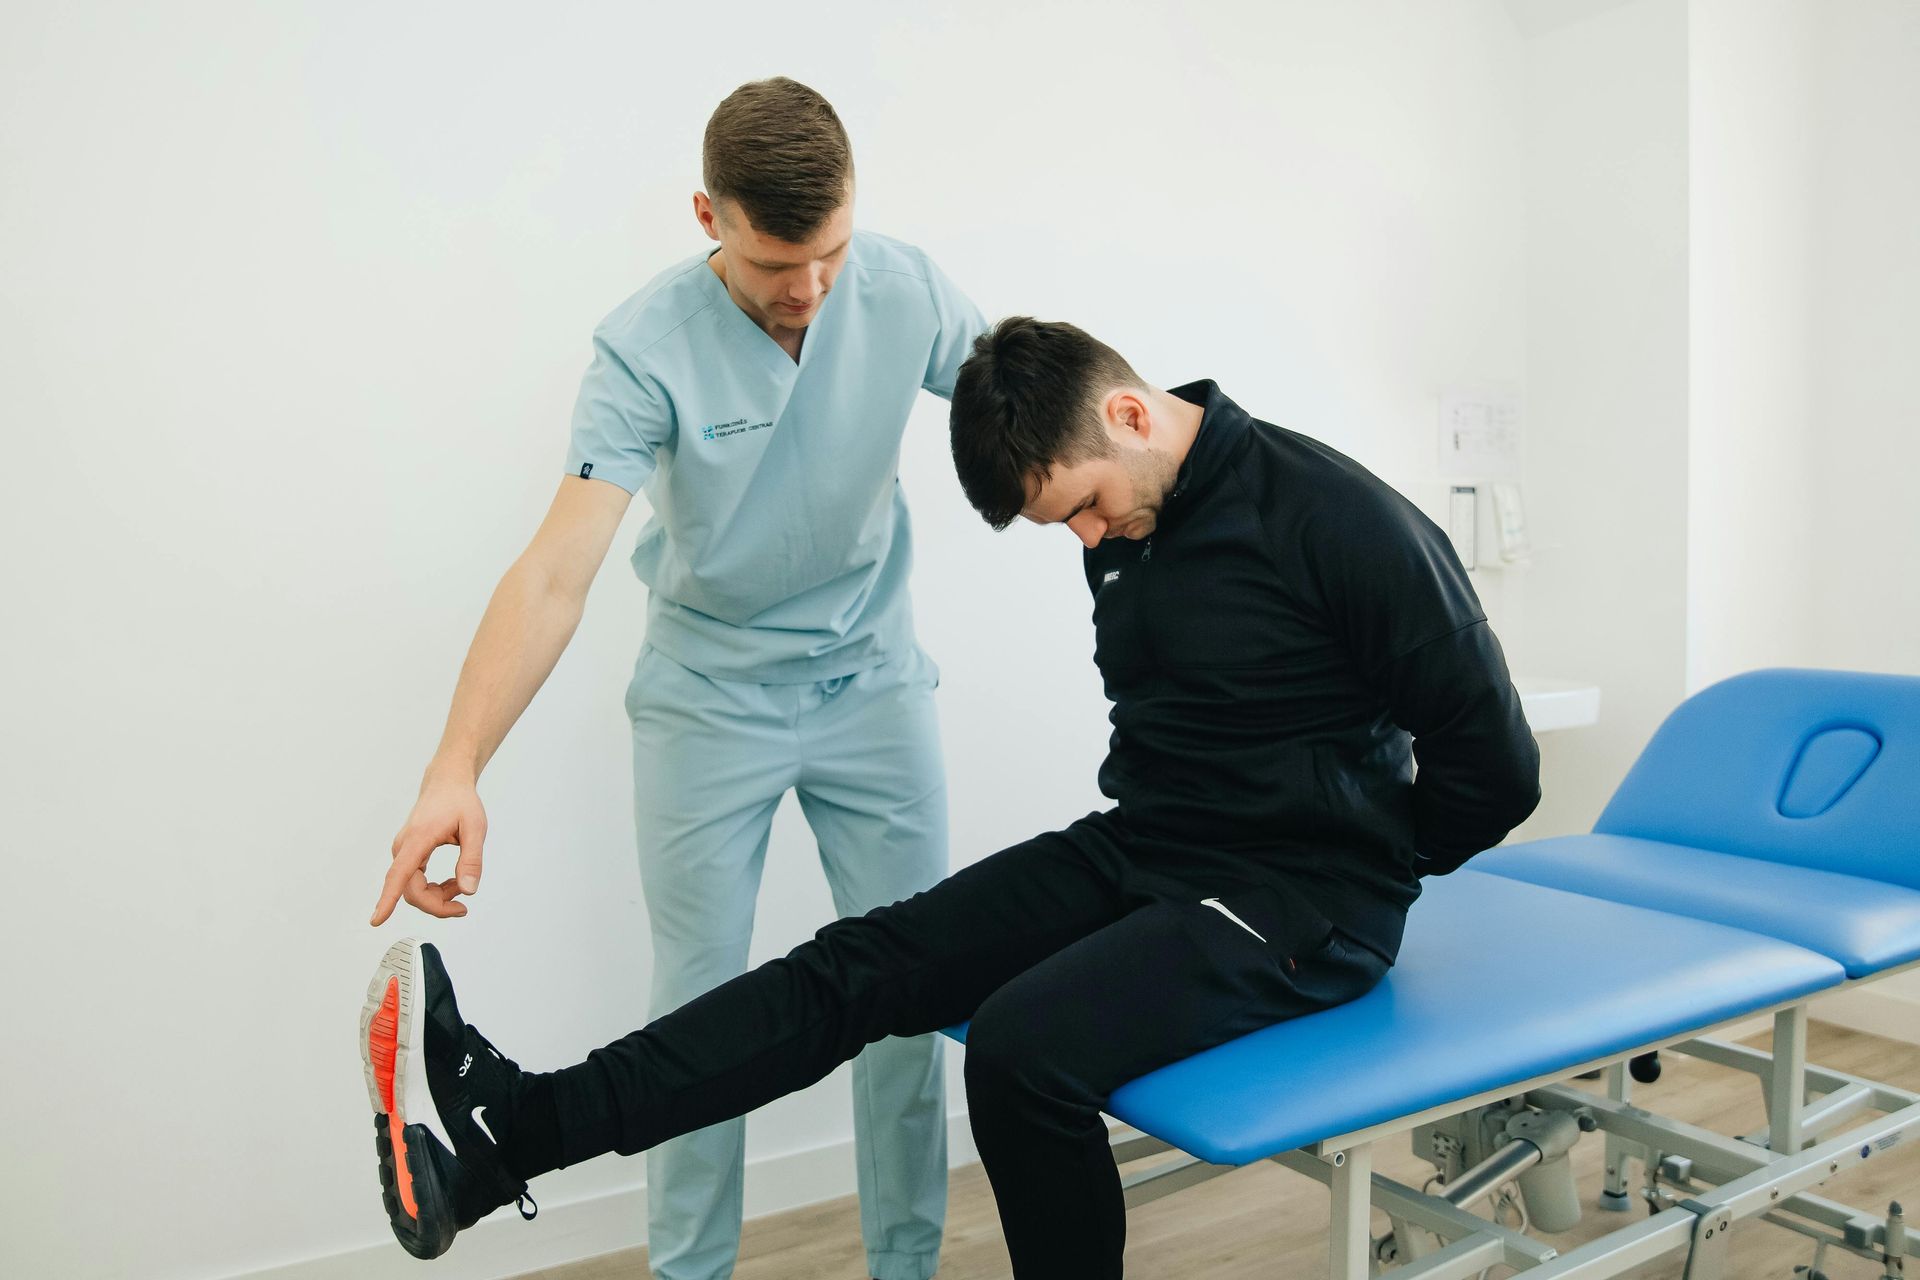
[1028,399]
[777,148]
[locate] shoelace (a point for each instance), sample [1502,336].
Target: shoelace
[523,1201]
[488,1046]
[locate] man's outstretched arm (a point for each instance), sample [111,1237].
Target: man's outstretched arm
[527,625]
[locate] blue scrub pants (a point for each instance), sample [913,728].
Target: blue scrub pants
[712,759]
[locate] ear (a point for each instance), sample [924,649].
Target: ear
[1127,412]
[704,213]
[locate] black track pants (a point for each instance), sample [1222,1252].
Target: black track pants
[1076,979]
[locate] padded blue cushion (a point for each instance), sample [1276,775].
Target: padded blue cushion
[1498,981]
[1866,925]
[1815,769]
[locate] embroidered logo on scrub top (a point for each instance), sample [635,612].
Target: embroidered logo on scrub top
[1113,575]
[739,426]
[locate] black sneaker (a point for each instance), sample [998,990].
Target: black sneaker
[432,1079]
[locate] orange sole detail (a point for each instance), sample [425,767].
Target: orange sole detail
[383,1049]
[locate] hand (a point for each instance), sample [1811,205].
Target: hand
[447,812]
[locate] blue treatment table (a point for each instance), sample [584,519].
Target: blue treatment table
[1765,848]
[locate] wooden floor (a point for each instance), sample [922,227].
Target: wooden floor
[1264,1221]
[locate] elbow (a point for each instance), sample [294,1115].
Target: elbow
[542,585]
[1523,784]
[1525,802]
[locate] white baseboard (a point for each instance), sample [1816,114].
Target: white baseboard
[1741,1030]
[567,1231]
[1894,1015]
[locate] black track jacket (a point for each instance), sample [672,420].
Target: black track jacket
[1289,641]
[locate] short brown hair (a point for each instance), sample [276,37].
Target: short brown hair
[778,149]
[1027,400]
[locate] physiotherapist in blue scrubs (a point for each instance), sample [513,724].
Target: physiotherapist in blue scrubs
[757,394]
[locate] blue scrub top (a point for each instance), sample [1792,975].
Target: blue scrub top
[779,545]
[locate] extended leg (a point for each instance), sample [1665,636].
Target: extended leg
[461,1127]
[906,969]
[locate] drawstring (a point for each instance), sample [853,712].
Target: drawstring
[521,1202]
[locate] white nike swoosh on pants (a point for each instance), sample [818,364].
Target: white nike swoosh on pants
[1221,907]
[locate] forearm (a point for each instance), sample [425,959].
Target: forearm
[527,625]
[1479,768]
[1476,784]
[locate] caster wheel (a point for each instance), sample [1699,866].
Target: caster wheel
[1645,1068]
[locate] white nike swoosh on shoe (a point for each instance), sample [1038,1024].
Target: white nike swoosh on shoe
[481,1121]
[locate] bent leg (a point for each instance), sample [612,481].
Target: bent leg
[905,969]
[1046,1051]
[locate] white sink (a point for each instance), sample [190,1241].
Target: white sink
[1557,704]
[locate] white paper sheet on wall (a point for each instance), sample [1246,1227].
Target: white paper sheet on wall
[1480,433]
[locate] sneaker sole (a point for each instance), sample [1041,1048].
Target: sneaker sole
[406,1123]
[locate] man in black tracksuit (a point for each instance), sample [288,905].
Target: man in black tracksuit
[1283,637]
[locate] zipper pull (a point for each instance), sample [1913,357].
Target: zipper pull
[1146,551]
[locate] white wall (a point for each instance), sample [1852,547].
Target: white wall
[296,300]
[1805,273]
[1750,439]
[1605,600]
[1865,598]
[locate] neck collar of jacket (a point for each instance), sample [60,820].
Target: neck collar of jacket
[1224,426]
